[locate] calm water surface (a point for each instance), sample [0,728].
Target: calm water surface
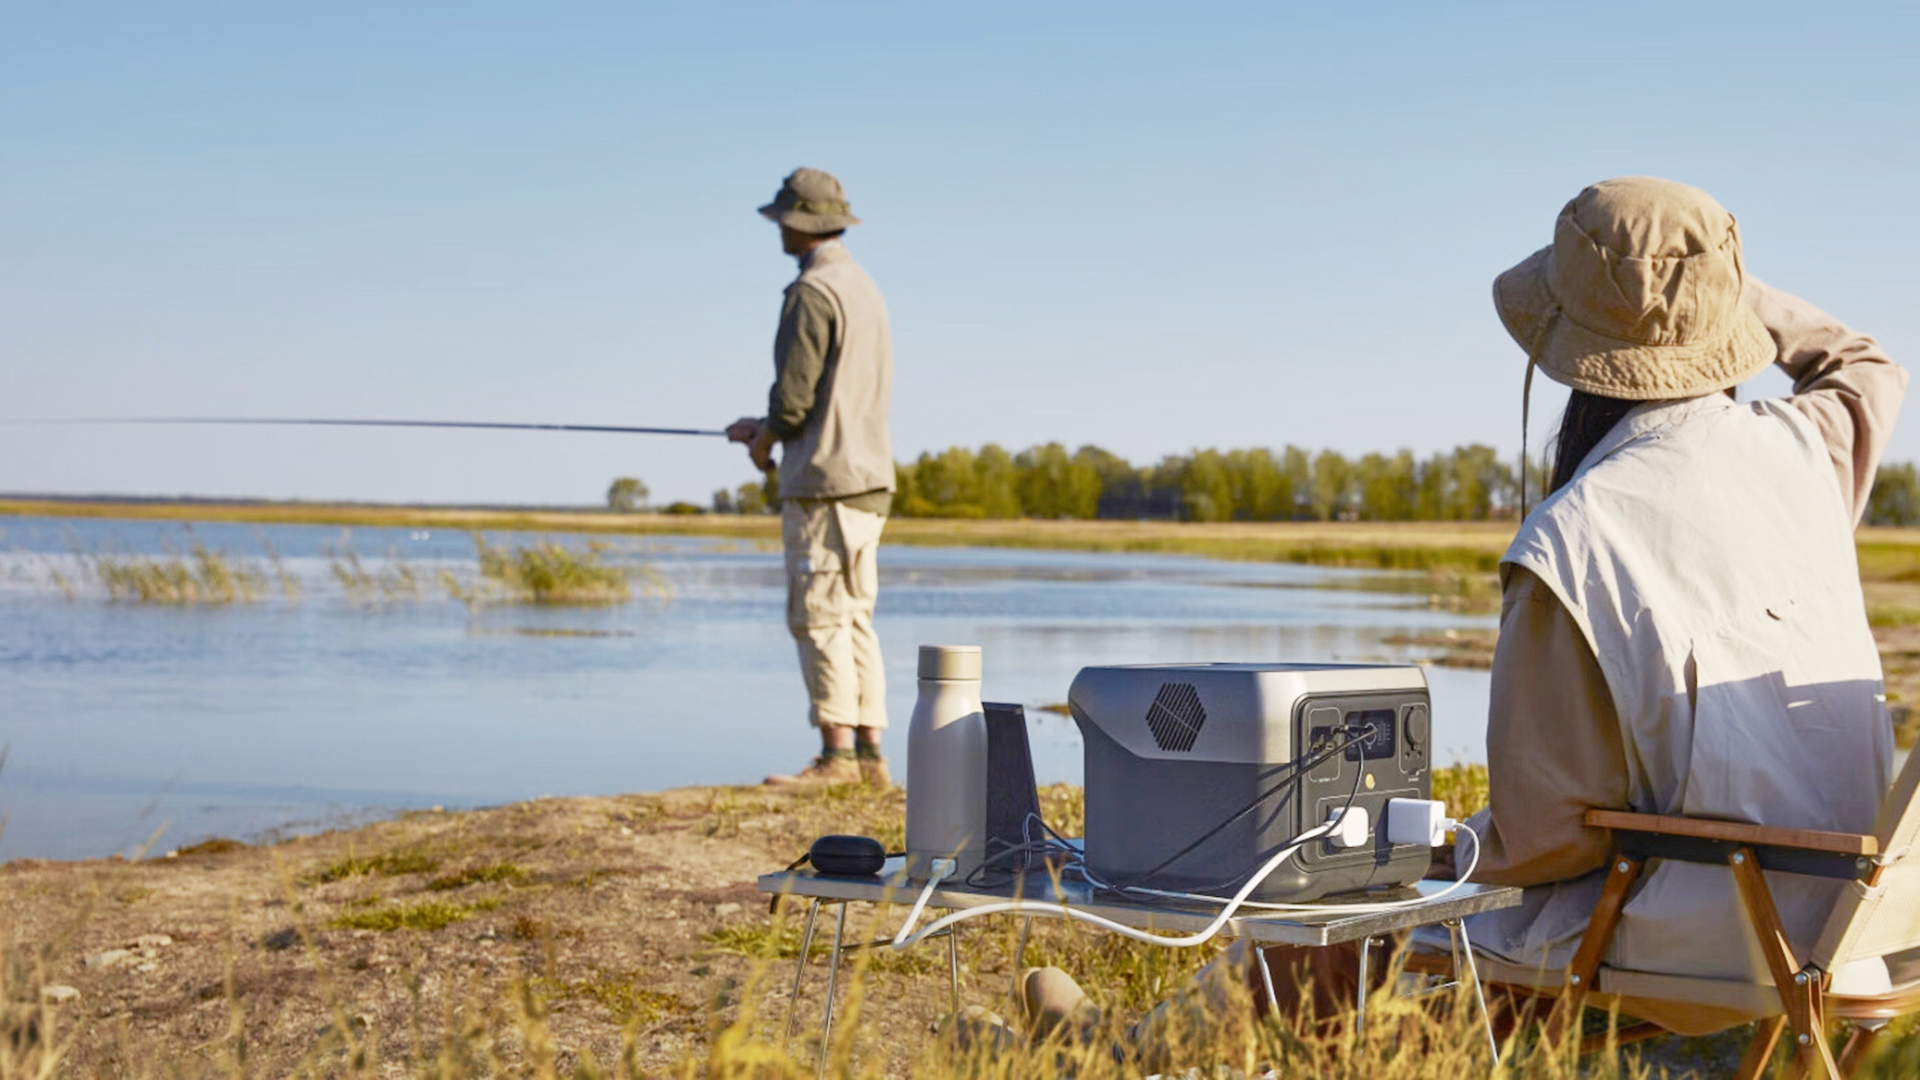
[126,720]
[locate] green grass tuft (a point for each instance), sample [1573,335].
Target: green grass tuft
[386,864]
[502,873]
[424,915]
[624,996]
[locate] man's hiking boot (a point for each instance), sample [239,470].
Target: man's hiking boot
[874,771]
[824,770]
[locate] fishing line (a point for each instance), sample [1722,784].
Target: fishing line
[603,429]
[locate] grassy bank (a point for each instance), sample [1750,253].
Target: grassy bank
[1886,555]
[592,937]
[1396,546]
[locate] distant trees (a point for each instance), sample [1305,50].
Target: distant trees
[627,495]
[749,498]
[1463,484]
[1467,483]
[1896,496]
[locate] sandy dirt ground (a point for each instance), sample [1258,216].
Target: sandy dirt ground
[610,917]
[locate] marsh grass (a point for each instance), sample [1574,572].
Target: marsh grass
[290,586]
[549,572]
[392,581]
[201,576]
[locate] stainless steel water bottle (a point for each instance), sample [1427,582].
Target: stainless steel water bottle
[947,763]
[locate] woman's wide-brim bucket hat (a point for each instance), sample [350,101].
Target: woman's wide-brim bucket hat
[810,201]
[1638,296]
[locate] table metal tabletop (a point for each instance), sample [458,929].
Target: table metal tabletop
[1329,924]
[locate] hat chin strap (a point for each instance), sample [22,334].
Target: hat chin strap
[1526,396]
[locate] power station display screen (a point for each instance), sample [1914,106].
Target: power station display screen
[1378,741]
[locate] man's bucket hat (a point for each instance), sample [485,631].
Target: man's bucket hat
[810,201]
[1638,297]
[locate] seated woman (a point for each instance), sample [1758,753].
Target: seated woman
[1682,627]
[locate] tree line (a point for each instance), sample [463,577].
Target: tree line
[1467,483]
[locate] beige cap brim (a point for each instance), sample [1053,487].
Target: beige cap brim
[1611,367]
[808,223]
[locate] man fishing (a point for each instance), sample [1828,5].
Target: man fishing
[833,378]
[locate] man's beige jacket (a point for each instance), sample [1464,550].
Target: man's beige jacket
[843,448]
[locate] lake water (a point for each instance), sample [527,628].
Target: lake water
[125,720]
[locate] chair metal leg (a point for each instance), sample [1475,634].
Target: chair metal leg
[833,971]
[799,969]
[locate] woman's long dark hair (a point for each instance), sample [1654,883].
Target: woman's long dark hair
[1587,420]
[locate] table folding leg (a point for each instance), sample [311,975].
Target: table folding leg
[833,971]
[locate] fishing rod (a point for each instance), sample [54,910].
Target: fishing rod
[603,429]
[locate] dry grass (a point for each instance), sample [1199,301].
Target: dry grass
[591,938]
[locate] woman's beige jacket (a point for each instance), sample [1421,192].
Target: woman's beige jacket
[1683,632]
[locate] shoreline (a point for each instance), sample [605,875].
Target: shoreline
[1375,545]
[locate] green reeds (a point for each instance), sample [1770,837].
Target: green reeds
[544,572]
[203,576]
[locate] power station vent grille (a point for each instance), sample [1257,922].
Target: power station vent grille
[1175,717]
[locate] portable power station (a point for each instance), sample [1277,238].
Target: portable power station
[1177,751]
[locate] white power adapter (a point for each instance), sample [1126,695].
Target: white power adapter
[1418,821]
[1350,827]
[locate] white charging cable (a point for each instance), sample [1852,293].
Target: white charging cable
[1460,882]
[943,868]
[905,940]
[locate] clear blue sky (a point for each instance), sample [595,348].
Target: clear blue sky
[1149,227]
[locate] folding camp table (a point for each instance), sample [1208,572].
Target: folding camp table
[1327,926]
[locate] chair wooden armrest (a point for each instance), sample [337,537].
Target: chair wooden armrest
[1736,832]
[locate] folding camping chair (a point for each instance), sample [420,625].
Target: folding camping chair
[1865,968]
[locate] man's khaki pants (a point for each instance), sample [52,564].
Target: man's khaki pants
[833,578]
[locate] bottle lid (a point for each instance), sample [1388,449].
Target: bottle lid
[950,662]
